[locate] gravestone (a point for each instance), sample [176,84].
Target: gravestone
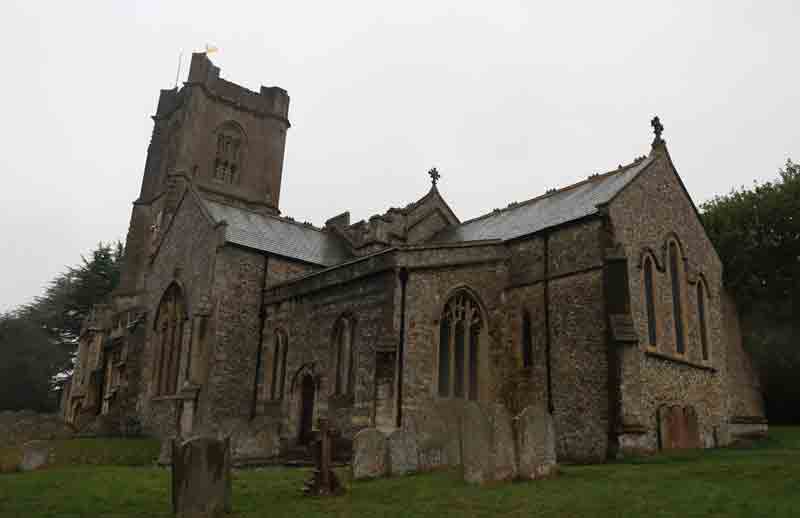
[323,481]
[476,439]
[504,464]
[35,455]
[536,443]
[403,453]
[201,477]
[369,454]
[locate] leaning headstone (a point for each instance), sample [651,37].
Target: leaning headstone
[369,454]
[536,443]
[201,478]
[34,455]
[476,437]
[403,453]
[504,465]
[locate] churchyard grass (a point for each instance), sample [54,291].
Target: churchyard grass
[758,481]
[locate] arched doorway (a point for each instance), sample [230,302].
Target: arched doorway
[306,421]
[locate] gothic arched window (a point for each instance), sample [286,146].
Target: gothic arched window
[649,302]
[343,343]
[228,158]
[170,318]
[459,347]
[279,353]
[701,318]
[527,340]
[677,297]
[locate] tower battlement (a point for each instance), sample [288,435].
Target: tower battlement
[269,101]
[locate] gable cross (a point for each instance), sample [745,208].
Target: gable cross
[434,174]
[658,128]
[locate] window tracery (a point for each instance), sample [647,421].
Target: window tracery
[459,347]
[169,328]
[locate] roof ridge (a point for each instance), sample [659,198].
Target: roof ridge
[552,192]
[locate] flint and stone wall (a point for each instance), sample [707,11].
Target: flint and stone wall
[648,212]
[308,320]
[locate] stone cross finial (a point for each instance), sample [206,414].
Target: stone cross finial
[658,128]
[434,174]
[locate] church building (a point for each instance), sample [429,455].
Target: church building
[601,302]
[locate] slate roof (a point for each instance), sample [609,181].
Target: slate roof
[280,236]
[555,208]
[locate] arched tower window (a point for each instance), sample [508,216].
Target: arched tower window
[677,297]
[650,303]
[343,343]
[527,340]
[701,318]
[459,347]
[228,158]
[279,353]
[170,318]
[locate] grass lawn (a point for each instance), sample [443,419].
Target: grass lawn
[761,481]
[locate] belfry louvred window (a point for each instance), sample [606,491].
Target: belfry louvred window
[460,329]
[227,162]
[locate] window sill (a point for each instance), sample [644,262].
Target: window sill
[680,360]
[172,397]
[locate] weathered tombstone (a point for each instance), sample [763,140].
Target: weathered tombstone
[369,454]
[476,438]
[201,477]
[35,455]
[438,430]
[323,479]
[403,453]
[504,465]
[536,443]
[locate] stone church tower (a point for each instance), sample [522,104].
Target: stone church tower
[227,140]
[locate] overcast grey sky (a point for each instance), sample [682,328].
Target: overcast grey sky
[506,98]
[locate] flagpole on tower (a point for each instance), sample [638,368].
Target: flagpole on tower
[178,72]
